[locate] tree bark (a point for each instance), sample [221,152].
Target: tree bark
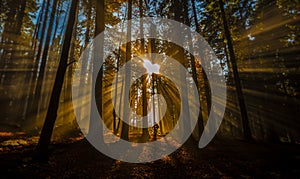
[181,56]
[37,27]
[206,83]
[193,65]
[244,115]
[43,33]
[34,102]
[145,134]
[125,126]
[42,152]
[20,17]
[40,79]
[95,126]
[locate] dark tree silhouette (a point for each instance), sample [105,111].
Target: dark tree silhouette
[42,152]
[35,103]
[145,134]
[193,62]
[45,54]
[241,100]
[125,126]
[95,124]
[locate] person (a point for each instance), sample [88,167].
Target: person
[155,129]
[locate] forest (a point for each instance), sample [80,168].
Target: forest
[166,89]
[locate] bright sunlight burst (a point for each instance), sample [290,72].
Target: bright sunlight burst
[151,68]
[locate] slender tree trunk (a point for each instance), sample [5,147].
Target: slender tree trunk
[43,33]
[20,17]
[87,32]
[42,152]
[34,102]
[145,135]
[56,22]
[115,126]
[125,126]
[244,115]
[84,64]
[193,65]
[18,51]
[116,89]
[72,59]
[67,104]
[40,79]
[179,16]
[116,92]
[120,103]
[205,80]
[32,106]
[37,27]
[153,93]
[158,82]
[95,124]
[63,25]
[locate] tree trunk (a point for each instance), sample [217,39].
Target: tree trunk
[20,17]
[95,126]
[145,135]
[84,65]
[115,125]
[56,22]
[40,79]
[205,80]
[193,65]
[125,126]
[244,115]
[181,56]
[43,33]
[42,152]
[34,101]
[37,27]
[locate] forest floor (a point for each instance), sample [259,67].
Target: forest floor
[222,158]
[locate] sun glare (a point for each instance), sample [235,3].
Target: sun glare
[151,68]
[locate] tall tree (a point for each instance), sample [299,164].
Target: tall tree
[205,80]
[125,126]
[145,134]
[42,152]
[193,62]
[182,58]
[37,27]
[41,73]
[34,99]
[241,100]
[95,124]
[20,17]
[43,32]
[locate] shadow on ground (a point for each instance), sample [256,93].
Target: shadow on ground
[221,158]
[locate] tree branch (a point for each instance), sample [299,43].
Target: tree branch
[71,62]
